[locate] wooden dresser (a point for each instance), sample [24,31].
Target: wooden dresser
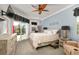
[8,44]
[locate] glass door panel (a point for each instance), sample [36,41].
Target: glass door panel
[17,29]
[21,28]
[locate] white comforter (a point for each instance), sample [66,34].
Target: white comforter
[38,38]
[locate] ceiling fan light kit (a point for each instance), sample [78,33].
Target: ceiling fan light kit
[40,8]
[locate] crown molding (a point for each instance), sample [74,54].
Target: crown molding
[67,7]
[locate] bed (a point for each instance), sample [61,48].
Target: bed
[44,38]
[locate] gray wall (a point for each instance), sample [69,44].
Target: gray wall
[64,18]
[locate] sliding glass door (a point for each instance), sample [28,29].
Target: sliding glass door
[22,30]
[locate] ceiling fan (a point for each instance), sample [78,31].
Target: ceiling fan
[40,8]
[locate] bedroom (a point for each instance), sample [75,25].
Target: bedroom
[36,27]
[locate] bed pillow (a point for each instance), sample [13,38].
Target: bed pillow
[54,31]
[47,31]
[51,31]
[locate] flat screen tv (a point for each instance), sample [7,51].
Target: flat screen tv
[34,23]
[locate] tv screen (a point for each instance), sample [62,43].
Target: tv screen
[45,28]
[34,23]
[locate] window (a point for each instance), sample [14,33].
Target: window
[3,26]
[77,24]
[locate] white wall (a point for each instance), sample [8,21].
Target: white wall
[64,18]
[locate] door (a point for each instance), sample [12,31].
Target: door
[22,30]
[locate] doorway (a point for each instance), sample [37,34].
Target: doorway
[22,30]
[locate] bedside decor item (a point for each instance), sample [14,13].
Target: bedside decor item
[65,31]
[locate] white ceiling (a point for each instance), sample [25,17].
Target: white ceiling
[26,10]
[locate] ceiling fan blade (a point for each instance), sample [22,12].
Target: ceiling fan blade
[40,11]
[34,6]
[35,10]
[42,6]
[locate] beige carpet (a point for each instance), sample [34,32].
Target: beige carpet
[25,48]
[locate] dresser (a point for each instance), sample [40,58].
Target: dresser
[8,44]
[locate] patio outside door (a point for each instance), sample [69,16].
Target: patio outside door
[22,30]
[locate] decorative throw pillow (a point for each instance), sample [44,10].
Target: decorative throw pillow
[54,31]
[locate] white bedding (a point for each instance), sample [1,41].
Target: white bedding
[38,38]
